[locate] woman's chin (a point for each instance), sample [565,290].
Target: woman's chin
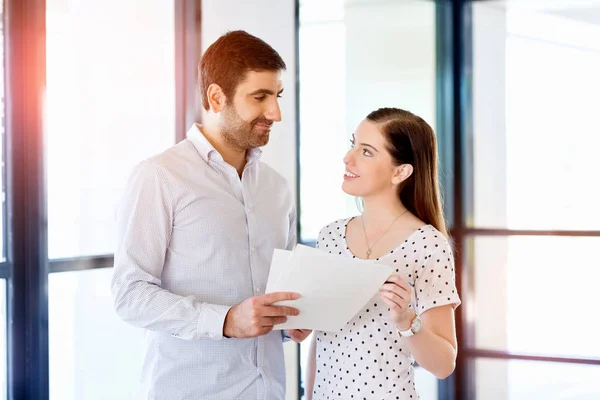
[348,189]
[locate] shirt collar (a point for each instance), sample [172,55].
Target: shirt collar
[208,152]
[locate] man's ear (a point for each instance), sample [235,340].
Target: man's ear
[216,98]
[402,173]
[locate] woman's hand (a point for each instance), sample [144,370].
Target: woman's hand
[395,292]
[298,335]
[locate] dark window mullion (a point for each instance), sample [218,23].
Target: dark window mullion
[504,355]
[462,98]
[528,232]
[81,263]
[188,15]
[25,52]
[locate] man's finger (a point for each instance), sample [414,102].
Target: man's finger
[277,311]
[270,321]
[274,297]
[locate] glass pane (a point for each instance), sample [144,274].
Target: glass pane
[526,380]
[529,291]
[110,104]
[355,57]
[536,87]
[93,354]
[3,348]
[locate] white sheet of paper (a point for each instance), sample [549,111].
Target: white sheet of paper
[333,288]
[279,265]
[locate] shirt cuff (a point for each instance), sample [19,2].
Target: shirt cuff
[211,321]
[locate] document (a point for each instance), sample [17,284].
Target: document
[333,289]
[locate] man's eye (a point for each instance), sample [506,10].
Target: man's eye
[279,96]
[260,98]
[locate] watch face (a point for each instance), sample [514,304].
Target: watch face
[416,325]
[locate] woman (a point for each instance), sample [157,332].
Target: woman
[392,166]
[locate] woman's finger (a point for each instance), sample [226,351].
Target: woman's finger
[397,300]
[390,287]
[404,299]
[397,279]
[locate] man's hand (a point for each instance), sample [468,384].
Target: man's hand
[256,316]
[298,335]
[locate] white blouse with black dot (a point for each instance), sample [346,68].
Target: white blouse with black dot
[367,359]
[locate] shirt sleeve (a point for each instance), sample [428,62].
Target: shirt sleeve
[435,285]
[292,235]
[145,221]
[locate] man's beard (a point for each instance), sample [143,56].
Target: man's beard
[242,134]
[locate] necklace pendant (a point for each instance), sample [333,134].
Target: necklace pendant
[369,253]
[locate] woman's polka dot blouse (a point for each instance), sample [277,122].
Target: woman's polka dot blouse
[367,359]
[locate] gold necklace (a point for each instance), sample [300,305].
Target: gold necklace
[370,248]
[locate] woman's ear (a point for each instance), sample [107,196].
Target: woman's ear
[402,173]
[216,98]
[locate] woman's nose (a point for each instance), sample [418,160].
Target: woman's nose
[347,157]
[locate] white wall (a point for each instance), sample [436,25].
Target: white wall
[272,21]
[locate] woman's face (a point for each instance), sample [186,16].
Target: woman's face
[369,166]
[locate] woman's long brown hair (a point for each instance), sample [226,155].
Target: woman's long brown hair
[412,141]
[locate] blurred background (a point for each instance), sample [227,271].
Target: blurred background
[512,89]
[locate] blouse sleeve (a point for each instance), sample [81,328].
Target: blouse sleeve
[435,284]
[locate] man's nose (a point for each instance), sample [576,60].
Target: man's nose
[274,112]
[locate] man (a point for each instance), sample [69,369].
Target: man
[198,225]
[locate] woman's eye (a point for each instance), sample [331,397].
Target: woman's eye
[367,153]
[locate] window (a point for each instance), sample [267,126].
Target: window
[88,341]
[532,222]
[110,104]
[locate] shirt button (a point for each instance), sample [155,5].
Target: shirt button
[257,289]
[253,249]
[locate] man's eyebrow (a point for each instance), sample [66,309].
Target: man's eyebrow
[264,91]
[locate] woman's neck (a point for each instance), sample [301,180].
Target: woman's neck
[380,211]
